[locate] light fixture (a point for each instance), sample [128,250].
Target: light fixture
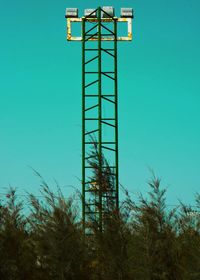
[101,15]
[126,12]
[91,13]
[71,13]
[107,12]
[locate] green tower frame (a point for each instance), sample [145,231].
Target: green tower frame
[99,111]
[90,208]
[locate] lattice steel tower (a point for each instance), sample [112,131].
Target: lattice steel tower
[99,104]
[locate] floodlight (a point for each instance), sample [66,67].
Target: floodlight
[127,13]
[107,12]
[91,13]
[71,13]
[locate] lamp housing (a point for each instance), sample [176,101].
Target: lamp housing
[107,12]
[71,13]
[91,13]
[127,13]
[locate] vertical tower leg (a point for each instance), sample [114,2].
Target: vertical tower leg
[100,119]
[116,116]
[83,123]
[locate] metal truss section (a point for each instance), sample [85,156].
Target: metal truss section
[94,23]
[99,117]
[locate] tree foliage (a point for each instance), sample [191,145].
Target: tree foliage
[144,240]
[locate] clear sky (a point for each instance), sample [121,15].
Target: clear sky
[159,96]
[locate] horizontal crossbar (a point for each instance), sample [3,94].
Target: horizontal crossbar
[98,142]
[96,95]
[96,119]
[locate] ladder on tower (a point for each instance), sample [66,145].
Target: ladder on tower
[99,119]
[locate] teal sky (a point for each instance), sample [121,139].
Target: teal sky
[159,96]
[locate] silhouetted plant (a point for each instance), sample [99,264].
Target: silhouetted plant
[17,256]
[142,240]
[154,250]
[57,235]
[189,240]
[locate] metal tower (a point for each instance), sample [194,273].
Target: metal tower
[99,107]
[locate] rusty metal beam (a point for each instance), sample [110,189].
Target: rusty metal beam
[70,37]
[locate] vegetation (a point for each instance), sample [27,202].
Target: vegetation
[143,241]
